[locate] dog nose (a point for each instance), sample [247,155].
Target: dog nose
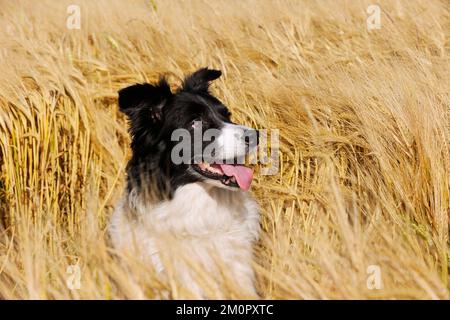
[251,138]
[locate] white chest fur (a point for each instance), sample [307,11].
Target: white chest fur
[209,225]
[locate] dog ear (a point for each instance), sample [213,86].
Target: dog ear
[145,98]
[200,79]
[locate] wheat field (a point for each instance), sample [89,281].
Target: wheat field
[363,119]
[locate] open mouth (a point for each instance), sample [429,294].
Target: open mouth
[231,175]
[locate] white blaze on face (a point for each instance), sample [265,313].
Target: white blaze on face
[230,143]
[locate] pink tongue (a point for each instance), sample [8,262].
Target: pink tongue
[242,174]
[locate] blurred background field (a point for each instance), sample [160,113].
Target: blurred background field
[364,123]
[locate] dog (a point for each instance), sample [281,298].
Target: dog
[200,206]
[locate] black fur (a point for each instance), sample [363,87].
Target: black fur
[154,112]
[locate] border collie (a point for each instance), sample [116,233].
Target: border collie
[198,208]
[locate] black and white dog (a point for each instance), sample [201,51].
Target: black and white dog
[198,206]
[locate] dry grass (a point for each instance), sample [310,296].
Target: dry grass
[364,132]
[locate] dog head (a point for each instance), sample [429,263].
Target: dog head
[189,124]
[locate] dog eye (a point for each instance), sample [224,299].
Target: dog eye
[225,113]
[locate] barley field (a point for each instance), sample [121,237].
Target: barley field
[359,208]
